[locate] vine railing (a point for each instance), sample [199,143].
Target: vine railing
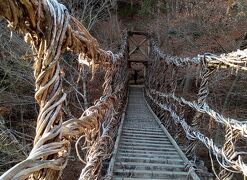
[48,27]
[166,94]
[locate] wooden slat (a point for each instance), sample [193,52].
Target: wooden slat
[145,149]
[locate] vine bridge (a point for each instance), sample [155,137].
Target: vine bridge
[127,128]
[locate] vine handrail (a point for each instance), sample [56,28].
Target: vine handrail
[48,27]
[163,96]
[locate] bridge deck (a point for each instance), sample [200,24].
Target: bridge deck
[145,149]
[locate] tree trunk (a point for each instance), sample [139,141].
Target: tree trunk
[84,85]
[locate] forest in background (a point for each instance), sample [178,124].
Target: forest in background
[182,28]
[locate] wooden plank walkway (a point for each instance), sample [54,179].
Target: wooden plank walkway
[144,148]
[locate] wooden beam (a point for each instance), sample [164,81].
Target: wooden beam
[141,50]
[131,33]
[138,61]
[137,46]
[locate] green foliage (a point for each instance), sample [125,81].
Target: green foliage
[127,10]
[146,7]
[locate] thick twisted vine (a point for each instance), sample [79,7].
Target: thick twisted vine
[49,149]
[100,150]
[47,25]
[202,95]
[234,164]
[163,98]
[102,147]
[236,60]
[229,148]
[235,124]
